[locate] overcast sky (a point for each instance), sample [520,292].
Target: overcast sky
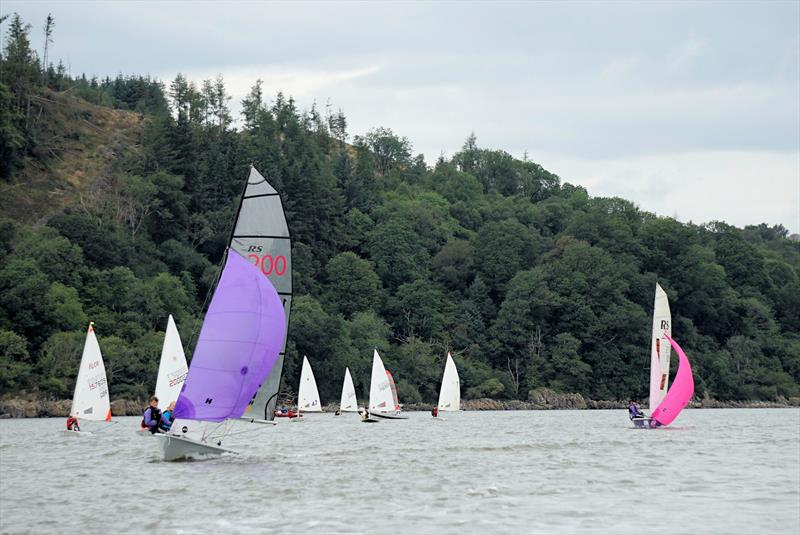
[689,109]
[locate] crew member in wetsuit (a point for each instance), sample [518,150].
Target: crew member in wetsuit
[152,416]
[634,411]
[435,411]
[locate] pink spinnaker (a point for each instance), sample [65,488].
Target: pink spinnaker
[679,393]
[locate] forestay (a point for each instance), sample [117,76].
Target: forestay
[261,235]
[349,403]
[172,369]
[659,348]
[450,393]
[91,400]
[307,393]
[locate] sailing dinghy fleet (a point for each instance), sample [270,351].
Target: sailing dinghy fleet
[236,368]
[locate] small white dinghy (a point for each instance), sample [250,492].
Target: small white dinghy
[307,392]
[90,400]
[383,402]
[348,403]
[450,393]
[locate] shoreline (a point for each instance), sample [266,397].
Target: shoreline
[38,408]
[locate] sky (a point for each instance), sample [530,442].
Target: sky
[689,109]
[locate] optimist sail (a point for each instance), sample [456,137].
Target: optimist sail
[91,400]
[348,402]
[173,369]
[381,398]
[681,392]
[239,344]
[659,348]
[307,393]
[450,394]
[261,235]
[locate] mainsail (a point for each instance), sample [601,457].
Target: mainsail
[90,400]
[348,402]
[659,348]
[172,369]
[380,391]
[450,394]
[261,235]
[242,335]
[307,393]
[681,392]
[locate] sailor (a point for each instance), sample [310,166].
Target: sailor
[166,417]
[435,411]
[633,410]
[152,416]
[365,415]
[72,424]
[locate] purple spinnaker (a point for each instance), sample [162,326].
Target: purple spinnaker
[239,343]
[679,393]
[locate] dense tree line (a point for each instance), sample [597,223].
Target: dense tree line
[528,281]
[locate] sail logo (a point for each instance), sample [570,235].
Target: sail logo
[664,325]
[93,365]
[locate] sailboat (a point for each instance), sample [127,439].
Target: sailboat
[307,393]
[665,403]
[90,400]
[241,339]
[349,403]
[261,235]
[450,393]
[172,369]
[383,402]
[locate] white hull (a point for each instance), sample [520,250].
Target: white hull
[70,433]
[174,448]
[389,415]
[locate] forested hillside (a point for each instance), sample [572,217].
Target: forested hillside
[117,197]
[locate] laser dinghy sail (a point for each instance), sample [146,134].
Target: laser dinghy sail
[90,400]
[383,402]
[450,393]
[307,393]
[349,403]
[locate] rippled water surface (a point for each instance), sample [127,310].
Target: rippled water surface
[716,471]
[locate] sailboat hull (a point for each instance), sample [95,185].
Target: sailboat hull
[389,415]
[645,423]
[175,448]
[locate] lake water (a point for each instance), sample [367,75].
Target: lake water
[716,471]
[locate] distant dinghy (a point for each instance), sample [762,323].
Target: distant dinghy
[665,403]
[450,393]
[383,402]
[348,403]
[307,393]
[172,370]
[90,401]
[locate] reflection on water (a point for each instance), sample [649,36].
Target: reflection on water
[717,471]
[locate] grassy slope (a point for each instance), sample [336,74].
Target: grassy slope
[77,143]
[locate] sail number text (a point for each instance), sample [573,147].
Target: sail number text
[269,264]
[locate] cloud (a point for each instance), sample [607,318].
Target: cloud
[739,187]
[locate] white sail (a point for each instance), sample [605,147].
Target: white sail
[307,393]
[659,348]
[380,391]
[349,402]
[450,394]
[91,400]
[172,369]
